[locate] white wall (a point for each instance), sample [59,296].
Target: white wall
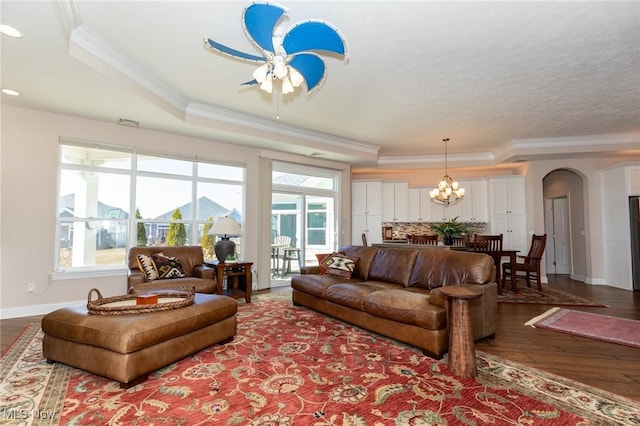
[28,178]
[590,169]
[621,182]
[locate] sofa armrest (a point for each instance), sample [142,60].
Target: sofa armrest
[203,271]
[304,270]
[135,277]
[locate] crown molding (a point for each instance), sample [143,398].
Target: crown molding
[437,161]
[95,52]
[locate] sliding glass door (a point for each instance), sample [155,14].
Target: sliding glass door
[303,218]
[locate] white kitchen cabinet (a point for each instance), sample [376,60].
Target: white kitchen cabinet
[395,201]
[366,198]
[507,195]
[507,204]
[370,225]
[474,206]
[420,205]
[513,230]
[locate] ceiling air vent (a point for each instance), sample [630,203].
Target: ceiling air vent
[127,122]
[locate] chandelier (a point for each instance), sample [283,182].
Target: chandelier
[448,190]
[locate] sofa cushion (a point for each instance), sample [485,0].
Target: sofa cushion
[393,266]
[148,266]
[339,264]
[365,257]
[167,266]
[353,294]
[316,284]
[406,307]
[435,268]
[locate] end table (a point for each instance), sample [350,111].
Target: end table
[462,351]
[235,270]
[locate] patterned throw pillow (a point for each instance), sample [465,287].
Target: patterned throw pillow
[321,257]
[339,264]
[167,266]
[146,265]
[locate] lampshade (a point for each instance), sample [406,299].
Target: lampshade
[225,227]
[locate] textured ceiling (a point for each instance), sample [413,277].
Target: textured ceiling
[504,81]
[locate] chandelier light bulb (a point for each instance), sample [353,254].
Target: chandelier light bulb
[448,191]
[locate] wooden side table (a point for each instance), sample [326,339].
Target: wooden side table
[462,351]
[234,271]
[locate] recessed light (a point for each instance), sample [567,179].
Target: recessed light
[10,92]
[10,31]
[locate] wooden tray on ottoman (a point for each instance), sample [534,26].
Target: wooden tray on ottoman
[131,303]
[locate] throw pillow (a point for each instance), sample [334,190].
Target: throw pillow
[167,266]
[321,257]
[146,265]
[339,264]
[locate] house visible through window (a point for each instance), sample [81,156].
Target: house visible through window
[113,198]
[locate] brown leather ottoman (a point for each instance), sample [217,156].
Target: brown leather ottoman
[125,348]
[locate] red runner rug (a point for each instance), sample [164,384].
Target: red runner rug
[291,366]
[586,324]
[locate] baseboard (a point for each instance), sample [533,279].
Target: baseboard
[32,310]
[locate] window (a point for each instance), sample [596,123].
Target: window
[113,198]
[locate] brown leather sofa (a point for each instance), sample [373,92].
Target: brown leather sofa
[395,292]
[197,274]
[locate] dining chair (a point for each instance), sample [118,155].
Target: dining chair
[491,245]
[461,241]
[431,240]
[528,266]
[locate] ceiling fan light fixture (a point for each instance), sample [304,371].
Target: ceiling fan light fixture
[261,73]
[267,85]
[279,67]
[296,77]
[287,87]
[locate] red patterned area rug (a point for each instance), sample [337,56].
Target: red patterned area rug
[291,366]
[586,324]
[548,296]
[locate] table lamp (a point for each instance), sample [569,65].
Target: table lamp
[225,227]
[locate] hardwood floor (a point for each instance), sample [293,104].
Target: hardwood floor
[608,366]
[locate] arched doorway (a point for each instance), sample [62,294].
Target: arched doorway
[565,223]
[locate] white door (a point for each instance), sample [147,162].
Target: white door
[561,235]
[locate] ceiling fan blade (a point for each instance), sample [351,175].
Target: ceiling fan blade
[259,21]
[314,36]
[232,52]
[311,67]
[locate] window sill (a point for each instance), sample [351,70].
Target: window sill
[82,273]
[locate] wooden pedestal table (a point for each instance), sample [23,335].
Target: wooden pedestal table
[462,351]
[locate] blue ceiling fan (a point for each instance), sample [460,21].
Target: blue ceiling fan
[292,56]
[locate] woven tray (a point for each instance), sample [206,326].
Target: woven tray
[126,304]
